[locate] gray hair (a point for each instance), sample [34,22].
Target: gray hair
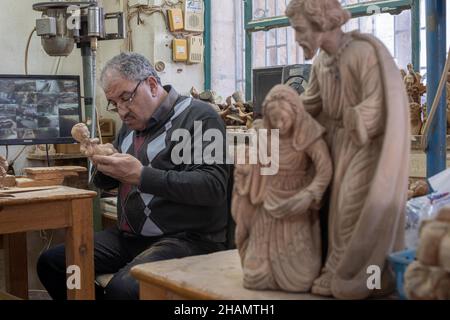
[131,66]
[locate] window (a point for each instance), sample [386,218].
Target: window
[277,46]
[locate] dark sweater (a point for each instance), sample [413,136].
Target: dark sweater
[171,198]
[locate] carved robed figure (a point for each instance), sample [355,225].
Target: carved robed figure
[277,217]
[356,92]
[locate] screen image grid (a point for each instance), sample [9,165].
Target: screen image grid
[38,109]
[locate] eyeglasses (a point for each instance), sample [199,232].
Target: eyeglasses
[126,100]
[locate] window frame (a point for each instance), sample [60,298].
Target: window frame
[357,10]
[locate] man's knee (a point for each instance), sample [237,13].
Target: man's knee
[122,287]
[50,259]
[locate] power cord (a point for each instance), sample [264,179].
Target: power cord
[47,156]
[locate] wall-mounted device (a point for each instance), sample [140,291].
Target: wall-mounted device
[195,49]
[63,24]
[179,50]
[194,15]
[297,76]
[175,17]
[264,79]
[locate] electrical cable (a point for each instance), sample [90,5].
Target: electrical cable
[94,115]
[47,156]
[27,49]
[148,10]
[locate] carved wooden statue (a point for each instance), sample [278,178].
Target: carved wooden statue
[415,90]
[414,86]
[90,147]
[357,94]
[415,110]
[428,277]
[277,217]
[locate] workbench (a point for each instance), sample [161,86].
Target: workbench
[58,207]
[216,276]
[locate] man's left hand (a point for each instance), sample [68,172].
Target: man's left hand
[122,167]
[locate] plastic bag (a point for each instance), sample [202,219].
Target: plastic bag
[419,209]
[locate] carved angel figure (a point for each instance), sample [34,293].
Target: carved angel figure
[90,147]
[277,218]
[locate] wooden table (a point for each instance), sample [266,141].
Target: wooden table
[60,207]
[216,276]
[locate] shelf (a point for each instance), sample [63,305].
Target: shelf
[57,156]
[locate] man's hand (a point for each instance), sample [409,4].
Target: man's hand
[122,167]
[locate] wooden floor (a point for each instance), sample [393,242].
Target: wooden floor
[33,294]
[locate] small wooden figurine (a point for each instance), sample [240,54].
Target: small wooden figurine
[90,147]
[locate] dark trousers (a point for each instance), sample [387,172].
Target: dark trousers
[117,253]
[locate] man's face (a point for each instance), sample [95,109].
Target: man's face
[137,111]
[306,36]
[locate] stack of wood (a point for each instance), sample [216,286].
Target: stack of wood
[234,112]
[47,176]
[415,90]
[428,278]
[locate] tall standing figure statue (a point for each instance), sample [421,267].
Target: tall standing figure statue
[277,216]
[357,94]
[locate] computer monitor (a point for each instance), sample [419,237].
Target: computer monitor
[264,79]
[38,109]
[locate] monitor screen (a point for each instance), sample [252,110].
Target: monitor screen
[38,109]
[264,79]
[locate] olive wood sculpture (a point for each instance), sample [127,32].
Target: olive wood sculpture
[356,92]
[88,146]
[277,217]
[415,90]
[428,278]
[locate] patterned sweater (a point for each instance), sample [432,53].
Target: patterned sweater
[172,198]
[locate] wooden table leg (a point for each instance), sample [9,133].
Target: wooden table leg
[80,248]
[16,264]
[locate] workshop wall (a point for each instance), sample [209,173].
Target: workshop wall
[223,46]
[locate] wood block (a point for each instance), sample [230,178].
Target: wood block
[27,182]
[9,181]
[48,176]
[37,170]
[68,148]
[108,139]
[444,253]
[431,236]
[444,214]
